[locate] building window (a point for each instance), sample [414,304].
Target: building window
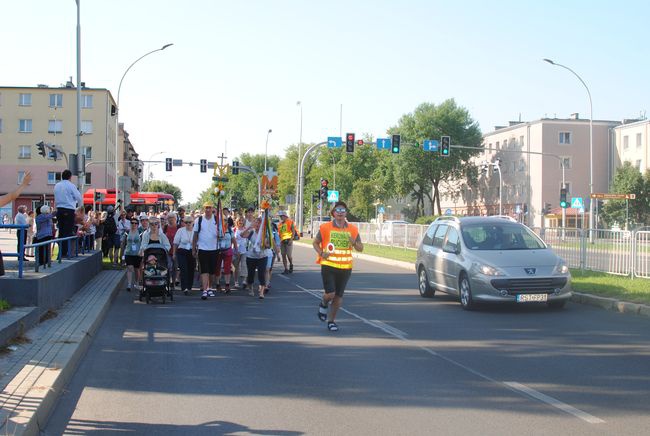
[566,162]
[86,101]
[24,99]
[56,100]
[626,142]
[521,141]
[24,152]
[497,146]
[87,127]
[89,179]
[638,140]
[638,165]
[25,126]
[53,177]
[88,152]
[522,165]
[0,125]
[21,176]
[55,126]
[565,138]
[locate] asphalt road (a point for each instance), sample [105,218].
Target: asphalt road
[399,365]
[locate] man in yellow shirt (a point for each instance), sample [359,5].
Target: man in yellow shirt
[333,244]
[286,230]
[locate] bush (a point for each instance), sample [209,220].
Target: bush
[426,220]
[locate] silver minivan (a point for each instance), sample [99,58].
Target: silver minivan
[490,259]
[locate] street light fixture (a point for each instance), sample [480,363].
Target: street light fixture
[591,146]
[298,193]
[266,147]
[117,112]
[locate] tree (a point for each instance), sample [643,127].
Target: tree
[418,171]
[163,186]
[628,180]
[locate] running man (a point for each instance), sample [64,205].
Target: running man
[287,231]
[333,244]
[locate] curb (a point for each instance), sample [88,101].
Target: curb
[624,307]
[32,394]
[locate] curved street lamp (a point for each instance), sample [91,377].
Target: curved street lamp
[591,145]
[266,147]
[117,112]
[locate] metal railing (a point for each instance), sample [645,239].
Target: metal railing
[22,228]
[619,252]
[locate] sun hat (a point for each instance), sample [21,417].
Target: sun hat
[151,257]
[283,213]
[208,204]
[143,216]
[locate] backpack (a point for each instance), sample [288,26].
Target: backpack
[110,228]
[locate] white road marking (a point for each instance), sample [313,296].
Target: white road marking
[513,386]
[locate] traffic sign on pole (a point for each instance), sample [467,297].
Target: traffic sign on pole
[334,142]
[576,203]
[332,196]
[383,144]
[431,145]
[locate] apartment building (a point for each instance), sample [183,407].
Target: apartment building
[42,113]
[532,156]
[632,144]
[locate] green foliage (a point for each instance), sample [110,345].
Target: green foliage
[426,220]
[628,180]
[163,186]
[4,305]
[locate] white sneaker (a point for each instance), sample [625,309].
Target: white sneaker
[210,293]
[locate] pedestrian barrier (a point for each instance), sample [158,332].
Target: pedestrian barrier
[619,252]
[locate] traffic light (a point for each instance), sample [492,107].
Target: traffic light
[349,142]
[98,197]
[396,143]
[323,188]
[563,202]
[546,209]
[168,164]
[359,141]
[204,165]
[41,148]
[445,145]
[315,197]
[235,167]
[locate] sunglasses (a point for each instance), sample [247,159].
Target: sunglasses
[154,224]
[188,222]
[134,223]
[340,209]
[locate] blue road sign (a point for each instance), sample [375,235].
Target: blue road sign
[576,203]
[448,212]
[381,209]
[431,145]
[334,142]
[383,143]
[332,196]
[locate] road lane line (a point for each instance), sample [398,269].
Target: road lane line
[555,403]
[515,387]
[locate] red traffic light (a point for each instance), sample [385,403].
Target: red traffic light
[360,142]
[350,136]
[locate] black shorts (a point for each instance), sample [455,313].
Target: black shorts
[334,279]
[134,261]
[207,261]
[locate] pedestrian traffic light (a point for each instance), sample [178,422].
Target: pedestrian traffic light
[396,143]
[41,148]
[204,165]
[98,197]
[546,209]
[323,188]
[349,142]
[445,145]
[168,164]
[235,167]
[563,202]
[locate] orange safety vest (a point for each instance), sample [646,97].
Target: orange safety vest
[285,229]
[336,241]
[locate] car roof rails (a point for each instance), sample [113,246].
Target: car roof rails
[504,217]
[448,218]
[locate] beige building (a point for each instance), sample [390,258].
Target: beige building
[531,156]
[29,115]
[632,144]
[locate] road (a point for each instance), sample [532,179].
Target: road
[399,365]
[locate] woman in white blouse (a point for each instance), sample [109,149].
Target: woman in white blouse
[183,254]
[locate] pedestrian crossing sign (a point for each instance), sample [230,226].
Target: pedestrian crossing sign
[332,196]
[576,203]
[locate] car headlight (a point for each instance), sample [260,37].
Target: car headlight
[561,268]
[487,270]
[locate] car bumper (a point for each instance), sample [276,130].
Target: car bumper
[483,289]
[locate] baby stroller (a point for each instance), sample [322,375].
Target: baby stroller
[155,274]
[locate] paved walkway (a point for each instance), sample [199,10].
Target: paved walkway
[34,373]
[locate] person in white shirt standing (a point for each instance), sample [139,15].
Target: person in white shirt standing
[23,220]
[204,247]
[183,254]
[66,198]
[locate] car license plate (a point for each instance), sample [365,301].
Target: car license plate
[528,298]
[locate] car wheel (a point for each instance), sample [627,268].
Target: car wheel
[426,291]
[556,304]
[465,293]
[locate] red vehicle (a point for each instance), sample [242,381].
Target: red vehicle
[138,201]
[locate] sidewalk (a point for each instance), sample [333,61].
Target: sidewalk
[34,373]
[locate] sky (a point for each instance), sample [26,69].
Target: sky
[238,68]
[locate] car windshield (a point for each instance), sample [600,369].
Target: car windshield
[500,236]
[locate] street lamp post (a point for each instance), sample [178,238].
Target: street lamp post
[591,146]
[117,112]
[266,147]
[149,163]
[298,193]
